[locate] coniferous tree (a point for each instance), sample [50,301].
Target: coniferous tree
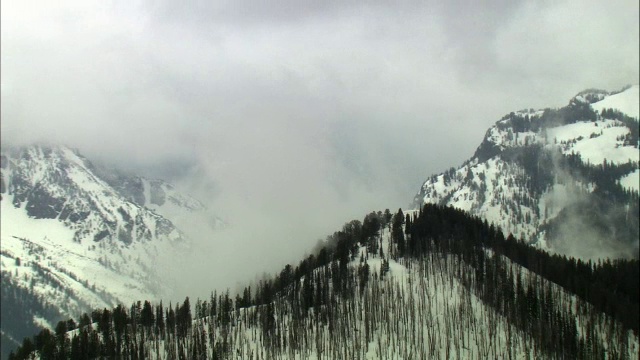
[397,232]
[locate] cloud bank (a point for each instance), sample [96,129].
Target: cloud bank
[296,116]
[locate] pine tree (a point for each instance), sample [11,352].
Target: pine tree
[397,233]
[146,315]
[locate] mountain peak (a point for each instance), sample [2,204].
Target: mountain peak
[83,236]
[538,168]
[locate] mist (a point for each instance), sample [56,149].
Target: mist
[291,119]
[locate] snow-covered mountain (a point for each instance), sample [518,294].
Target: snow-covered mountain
[566,179]
[433,284]
[77,237]
[160,197]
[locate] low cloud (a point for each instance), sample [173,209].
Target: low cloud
[297,117]
[584,225]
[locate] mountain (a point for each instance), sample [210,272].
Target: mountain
[435,282]
[160,197]
[430,284]
[563,179]
[77,237]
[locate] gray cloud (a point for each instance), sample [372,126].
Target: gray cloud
[302,115]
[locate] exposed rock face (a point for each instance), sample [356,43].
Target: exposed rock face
[555,175]
[58,183]
[77,237]
[158,196]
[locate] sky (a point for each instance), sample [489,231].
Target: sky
[294,117]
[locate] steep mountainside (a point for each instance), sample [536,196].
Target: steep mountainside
[430,284]
[160,197]
[74,239]
[565,179]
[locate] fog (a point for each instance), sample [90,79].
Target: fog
[291,118]
[581,227]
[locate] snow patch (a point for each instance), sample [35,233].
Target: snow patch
[627,101]
[631,181]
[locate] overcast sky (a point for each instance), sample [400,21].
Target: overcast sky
[302,114]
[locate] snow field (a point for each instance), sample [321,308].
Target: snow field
[626,101]
[595,141]
[631,181]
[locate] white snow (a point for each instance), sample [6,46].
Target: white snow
[50,244]
[595,141]
[419,309]
[83,273]
[627,102]
[501,181]
[631,181]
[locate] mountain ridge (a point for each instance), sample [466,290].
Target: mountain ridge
[533,164]
[433,283]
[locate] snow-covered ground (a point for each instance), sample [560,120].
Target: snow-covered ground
[625,101]
[418,309]
[595,141]
[486,194]
[64,260]
[96,275]
[631,181]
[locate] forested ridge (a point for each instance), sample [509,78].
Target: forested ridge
[434,283]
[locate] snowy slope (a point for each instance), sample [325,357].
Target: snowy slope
[76,242]
[487,193]
[631,181]
[521,177]
[595,141]
[162,198]
[424,309]
[625,101]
